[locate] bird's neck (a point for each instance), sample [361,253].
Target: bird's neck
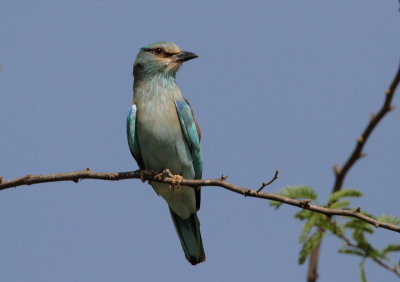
[149,74]
[155,87]
[167,80]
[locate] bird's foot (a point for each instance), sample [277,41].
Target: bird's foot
[176,179]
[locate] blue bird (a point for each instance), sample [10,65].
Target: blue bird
[163,134]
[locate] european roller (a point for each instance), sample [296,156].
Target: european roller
[163,134]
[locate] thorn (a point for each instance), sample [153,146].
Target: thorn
[392,107]
[76,180]
[357,210]
[336,169]
[376,224]
[305,203]
[1,179]
[362,154]
[360,139]
[373,115]
[87,169]
[246,192]
[387,92]
[223,178]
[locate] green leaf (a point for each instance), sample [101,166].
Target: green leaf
[389,219]
[305,231]
[275,204]
[362,243]
[344,194]
[391,248]
[352,251]
[340,205]
[363,278]
[309,246]
[325,223]
[360,225]
[304,214]
[299,192]
[295,192]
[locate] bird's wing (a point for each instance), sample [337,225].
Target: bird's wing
[192,135]
[191,132]
[132,136]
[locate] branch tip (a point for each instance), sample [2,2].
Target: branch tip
[336,169]
[269,182]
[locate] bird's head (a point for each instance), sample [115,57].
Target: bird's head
[160,58]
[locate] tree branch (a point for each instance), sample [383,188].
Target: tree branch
[361,140]
[314,258]
[220,182]
[357,153]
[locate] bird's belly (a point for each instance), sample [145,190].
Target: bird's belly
[162,146]
[157,140]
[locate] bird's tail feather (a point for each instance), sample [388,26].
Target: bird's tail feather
[189,234]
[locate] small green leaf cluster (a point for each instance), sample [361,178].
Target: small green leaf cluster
[316,225]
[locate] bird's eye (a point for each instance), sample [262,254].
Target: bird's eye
[158,50]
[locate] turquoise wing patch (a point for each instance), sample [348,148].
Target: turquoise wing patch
[189,129]
[132,137]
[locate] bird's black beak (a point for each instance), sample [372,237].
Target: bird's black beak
[184,56]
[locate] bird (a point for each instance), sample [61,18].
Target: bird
[163,136]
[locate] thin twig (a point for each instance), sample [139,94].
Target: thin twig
[361,140]
[378,261]
[340,173]
[158,177]
[390,268]
[269,182]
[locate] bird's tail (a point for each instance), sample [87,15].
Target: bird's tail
[189,234]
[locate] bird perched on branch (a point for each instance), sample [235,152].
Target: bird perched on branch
[164,136]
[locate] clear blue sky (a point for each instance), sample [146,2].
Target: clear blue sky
[285,85]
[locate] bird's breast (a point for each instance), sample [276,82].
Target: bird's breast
[159,133]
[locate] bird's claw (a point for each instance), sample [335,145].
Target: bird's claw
[142,176]
[176,179]
[167,173]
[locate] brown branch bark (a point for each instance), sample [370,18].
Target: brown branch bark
[354,156]
[220,182]
[313,265]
